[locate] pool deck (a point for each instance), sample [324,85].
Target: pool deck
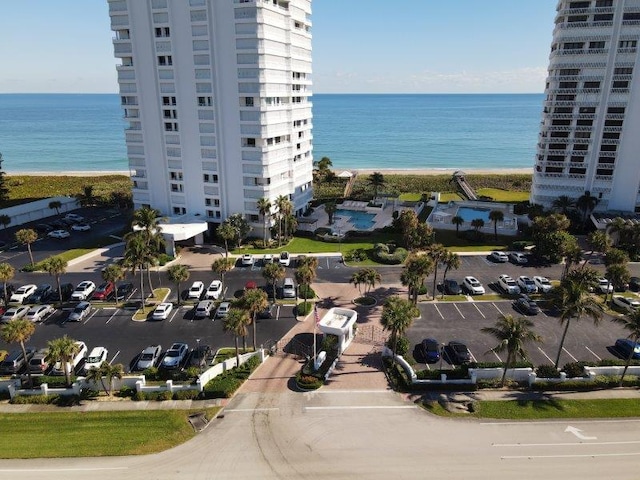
[442,214]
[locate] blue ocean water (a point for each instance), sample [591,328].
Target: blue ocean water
[67,132]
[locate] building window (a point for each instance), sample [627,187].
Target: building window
[179,211]
[623,71]
[627,44]
[170,113]
[591,84]
[177,187]
[205,101]
[168,100]
[162,32]
[176,176]
[604,3]
[207,202]
[170,126]
[573,46]
[210,178]
[249,142]
[165,60]
[248,101]
[596,45]
[254,218]
[620,84]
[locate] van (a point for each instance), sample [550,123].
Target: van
[15,361]
[58,368]
[288,288]
[38,365]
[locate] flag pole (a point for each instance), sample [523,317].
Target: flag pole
[315,324]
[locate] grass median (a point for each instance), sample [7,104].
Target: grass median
[95,434]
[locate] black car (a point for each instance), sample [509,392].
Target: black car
[58,225]
[458,353]
[198,356]
[43,228]
[10,289]
[269,312]
[65,288]
[525,305]
[41,294]
[451,287]
[634,284]
[430,350]
[124,290]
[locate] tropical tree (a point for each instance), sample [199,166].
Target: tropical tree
[574,302]
[55,205]
[236,323]
[416,269]
[437,253]
[62,350]
[264,209]
[512,333]
[178,274]
[254,301]
[136,256]
[415,234]
[563,204]
[357,279]
[371,278]
[222,266]
[113,273]
[240,226]
[286,209]
[304,276]
[376,180]
[147,220]
[5,220]
[477,224]
[273,273]
[397,317]
[571,251]
[599,241]
[226,232]
[87,197]
[451,261]
[631,323]
[586,204]
[7,272]
[457,220]
[307,261]
[280,203]
[19,331]
[330,209]
[105,374]
[618,276]
[496,216]
[26,236]
[56,266]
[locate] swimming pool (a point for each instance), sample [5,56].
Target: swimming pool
[360,220]
[469,214]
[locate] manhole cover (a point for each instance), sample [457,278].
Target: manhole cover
[198,421]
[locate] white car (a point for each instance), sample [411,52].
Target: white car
[223,310]
[149,357]
[162,311]
[498,256]
[83,291]
[195,291]
[289,288]
[14,313]
[96,358]
[285,259]
[39,312]
[473,286]
[247,260]
[543,284]
[267,259]
[21,294]
[508,285]
[626,303]
[604,286]
[527,285]
[59,234]
[518,257]
[74,217]
[80,227]
[204,309]
[214,290]
[80,312]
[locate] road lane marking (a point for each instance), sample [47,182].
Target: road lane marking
[250,410]
[564,444]
[41,470]
[543,352]
[459,311]
[585,455]
[557,422]
[114,357]
[578,433]
[567,352]
[593,353]
[439,312]
[364,407]
[113,315]
[479,311]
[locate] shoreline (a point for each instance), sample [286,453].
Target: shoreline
[71,173]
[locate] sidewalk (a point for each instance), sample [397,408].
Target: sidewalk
[117,404]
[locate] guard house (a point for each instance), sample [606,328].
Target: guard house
[341,323]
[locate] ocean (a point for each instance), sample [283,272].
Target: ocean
[85,132]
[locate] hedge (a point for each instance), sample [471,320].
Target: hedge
[225,384]
[305,291]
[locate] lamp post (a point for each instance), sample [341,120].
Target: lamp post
[441,355]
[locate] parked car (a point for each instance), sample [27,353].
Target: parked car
[104,291]
[43,228]
[80,227]
[508,285]
[95,359]
[80,312]
[268,312]
[204,309]
[247,260]
[628,348]
[149,357]
[526,305]
[518,257]
[458,352]
[16,361]
[83,291]
[39,312]
[223,310]
[162,311]
[66,289]
[451,287]
[285,259]
[59,234]
[124,291]
[543,284]
[73,217]
[289,288]
[604,286]
[81,354]
[22,293]
[40,294]
[628,304]
[58,225]
[499,257]
[214,290]
[198,356]
[430,348]
[38,364]
[634,284]
[195,291]
[267,259]
[473,286]
[175,356]
[14,313]
[526,284]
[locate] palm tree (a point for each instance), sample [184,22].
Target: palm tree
[599,241]
[227,233]
[287,209]
[631,323]
[310,261]
[304,276]
[62,350]
[87,198]
[55,205]
[586,204]
[264,209]
[5,221]
[222,266]
[254,301]
[19,331]
[236,323]
[357,278]
[273,273]
[330,209]
[618,226]
[416,269]
[371,278]
[511,333]
[113,273]
[56,266]
[147,220]
[572,253]
[457,220]
[178,274]
[376,180]
[7,272]
[105,374]
[574,301]
[26,236]
[477,224]
[451,261]
[563,204]
[397,317]
[136,256]
[496,216]
[618,276]
[436,252]
[281,206]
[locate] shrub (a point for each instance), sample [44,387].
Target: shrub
[422,290]
[322,231]
[305,291]
[518,364]
[389,254]
[186,395]
[138,397]
[225,384]
[163,259]
[574,369]
[402,345]
[151,373]
[308,382]
[33,399]
[356,255]
[612,362]
[519,245]
[301,311]
[126,392]
[547,371]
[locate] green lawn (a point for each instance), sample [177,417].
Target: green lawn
[500,195]
[94,434]
[450,239]
[410,197]
[449,196]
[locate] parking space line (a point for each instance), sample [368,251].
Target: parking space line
[114,357]
[224,292]
[278,313]
[473,357]
[439,312]
[593,353]
[479,311]
[543,352]
[458,311]
[567,352]
[112,315]
[497,356]
[90,317]
[501,312]
[175,312]
[328,266]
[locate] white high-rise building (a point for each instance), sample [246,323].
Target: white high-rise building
[217,96]
[590,134]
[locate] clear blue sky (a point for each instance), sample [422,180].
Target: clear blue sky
[359,46]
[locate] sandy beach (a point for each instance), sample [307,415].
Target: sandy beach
[442,171]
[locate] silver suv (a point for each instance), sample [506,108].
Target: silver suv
[204,309]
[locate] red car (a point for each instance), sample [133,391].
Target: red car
[104,291]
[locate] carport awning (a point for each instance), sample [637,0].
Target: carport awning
[182,227]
